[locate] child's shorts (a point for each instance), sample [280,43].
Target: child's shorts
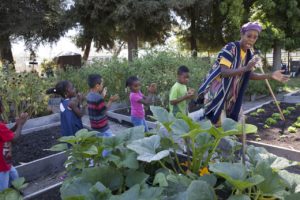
[7,178]
[139,122]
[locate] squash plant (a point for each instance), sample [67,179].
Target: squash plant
[132,165]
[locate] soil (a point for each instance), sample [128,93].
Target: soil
[53,194]
[274,135]
[33,146]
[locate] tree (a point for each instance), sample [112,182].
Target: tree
[95,24]
[34,21]
[281,24]
[211,24]
[142,21]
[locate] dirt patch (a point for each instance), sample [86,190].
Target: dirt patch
[273,135]
[32,146]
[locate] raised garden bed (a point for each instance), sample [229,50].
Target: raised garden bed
[293,97]
[33,146]
[271,133]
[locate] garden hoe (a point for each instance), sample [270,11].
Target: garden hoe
[260,66]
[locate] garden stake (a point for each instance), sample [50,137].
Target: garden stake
[272,93]
[243,140]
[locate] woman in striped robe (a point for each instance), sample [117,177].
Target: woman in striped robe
[225,85]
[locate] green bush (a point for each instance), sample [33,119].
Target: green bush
[155,67]
[260,87]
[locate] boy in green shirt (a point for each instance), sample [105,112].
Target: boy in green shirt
[179,94]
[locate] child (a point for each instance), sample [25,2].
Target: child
[179,93]
[71,109]
[96,105]
[138,100]
[7,172]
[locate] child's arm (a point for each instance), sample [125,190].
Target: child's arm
[152,89]
[111,100]
[190,94]
[20,121]
[74,105]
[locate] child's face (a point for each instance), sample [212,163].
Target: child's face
[71,91]
[99,87]
[183,78]
[136,86]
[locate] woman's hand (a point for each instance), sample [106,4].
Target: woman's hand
[278,76]
[251,64]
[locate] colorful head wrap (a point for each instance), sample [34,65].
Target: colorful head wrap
[251,26]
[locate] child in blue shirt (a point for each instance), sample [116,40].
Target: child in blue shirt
[70,108]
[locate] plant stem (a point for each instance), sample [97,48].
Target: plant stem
[172,164]
[212,152]
[257,195]
[163,165]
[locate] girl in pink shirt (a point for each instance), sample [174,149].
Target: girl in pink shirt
[138,100]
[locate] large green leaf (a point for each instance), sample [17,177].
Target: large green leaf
[131,134]
[135,177]
[146,149]
[160,179]
[179,127]
[161,114]
[138,193]
[59,147]
[273,184]
[10,194]
[281,163]
[231,127]
[84,133]
[293,180]
[107,175]
[131,194]
[200,190]
[75,188]
[229,124]
[68,139]
[239,197]
[236,174]
[112,143]
[129,160]
[100,192]
[293,197]
[192,124]
[92,150]
[19,183]
[211,179]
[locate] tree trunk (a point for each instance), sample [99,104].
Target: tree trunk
[87,50]
[132,45]
[5,49]
[276,56]
[193,34]
[288,63]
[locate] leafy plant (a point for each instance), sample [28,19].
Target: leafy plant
[14,193]
[290,108]
[266,126]
[149,167]
[276,116]
[286,112]
[260,110]
[296,124]
[270,121]
[292,129]
[254,114]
